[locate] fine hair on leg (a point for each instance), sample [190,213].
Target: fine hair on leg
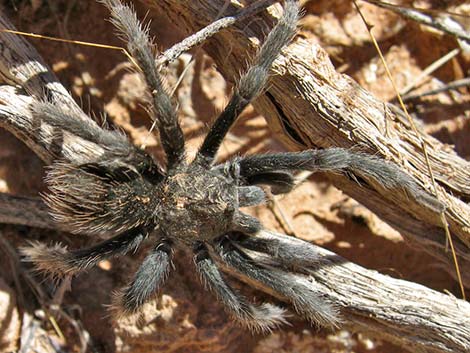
[260,318]
[90,199]
[297,257]
[388,175]
[306,301]
[140,47]
[118,152]
[86,129]
[251,83]
[149,278]
[58,261]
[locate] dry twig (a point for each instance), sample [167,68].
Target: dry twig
[465,82]
[441,21]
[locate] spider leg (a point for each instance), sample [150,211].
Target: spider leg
[149,278]
[245,224]
[297,257]
[78,124]
[306,301]
[281,182]
[257,318]
[118,152]
[250,196]
[140,47]
[58,261]
[251,83]
[339,160]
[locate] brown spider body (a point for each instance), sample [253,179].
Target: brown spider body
[200,204]
[124,193]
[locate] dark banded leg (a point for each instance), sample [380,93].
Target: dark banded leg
[257,318]
[339,160]
[306,302]
[147,281]
[58,261]
[251,83]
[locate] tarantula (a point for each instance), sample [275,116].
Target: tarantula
[193,204]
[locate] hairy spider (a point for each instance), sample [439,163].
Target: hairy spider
[191,204]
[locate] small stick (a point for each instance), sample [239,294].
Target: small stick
[441,21]
[430,69]
[450,86]
[202,35]
[77,42]
[281,217]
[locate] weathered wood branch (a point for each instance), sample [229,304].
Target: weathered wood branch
[408,314]
[26,78]
[403,312]
[308,104]
[25,211]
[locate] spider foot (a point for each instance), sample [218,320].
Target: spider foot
[56,261]
[148,280]
[257,318]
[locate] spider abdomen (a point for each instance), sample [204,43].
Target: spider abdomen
[88,199]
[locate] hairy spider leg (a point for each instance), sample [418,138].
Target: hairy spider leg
[79,125]
[339,160]
[260,318]
[251,84]
[307,302]
[280,182]
[297,257]
[139,46]
[148,280]
[59,261]
[118,153]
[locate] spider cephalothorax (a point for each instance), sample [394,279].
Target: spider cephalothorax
[193,204]
[200,204]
